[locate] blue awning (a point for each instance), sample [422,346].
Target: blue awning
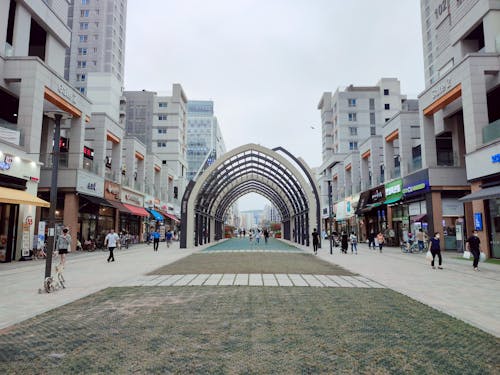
[157,216]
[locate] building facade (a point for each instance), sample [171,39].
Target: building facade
[97,40]
[204,138]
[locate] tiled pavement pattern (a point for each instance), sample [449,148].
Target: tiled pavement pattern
[253,279]
[241,244]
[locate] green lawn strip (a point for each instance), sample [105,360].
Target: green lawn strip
[251,263]
[489,260]
[247,330]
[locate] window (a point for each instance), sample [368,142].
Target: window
[85,2]
[96,36]
[162,117]
[353,130]
[162,130]
[96,12]
[387,106]
[84,25]
[352,117]
[83,38]
[81,89]
[82,64]
[353,145]
[386,92]
[82,51]
[80,77]
[373,130]
[351,102]
[84,13]
[164,162]
[372,104]
[162,104]
[161,144]
[372,118]
[387,119]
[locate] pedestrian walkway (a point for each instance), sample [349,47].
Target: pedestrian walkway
[253,279]
[243,244]
[456,290]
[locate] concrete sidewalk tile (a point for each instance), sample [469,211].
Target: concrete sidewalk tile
[255,279]
[313,281]
[326,281]
[283,280]
[160,279]
[269,279]
[356,282]
[227,279]
[213,279]
[137,281]
[153,280]
[185,280]
[297,280]
[171,280]
[340,281]
[199,279]
[241,279]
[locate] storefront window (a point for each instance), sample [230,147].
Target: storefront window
[494,205]
[8,218]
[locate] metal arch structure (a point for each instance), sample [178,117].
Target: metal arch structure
[246,169]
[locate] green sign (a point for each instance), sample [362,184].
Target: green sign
[393,191]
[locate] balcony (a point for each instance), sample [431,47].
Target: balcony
[10,133]
[491,132]
[112,176]
[396,172]
[415,164]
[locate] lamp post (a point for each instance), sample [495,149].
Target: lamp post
[57,116]
[330,215]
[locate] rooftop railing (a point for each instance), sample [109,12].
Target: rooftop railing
[491,132]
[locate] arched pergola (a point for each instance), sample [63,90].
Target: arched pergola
[246,169]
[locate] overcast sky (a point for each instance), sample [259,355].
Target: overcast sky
[266,63]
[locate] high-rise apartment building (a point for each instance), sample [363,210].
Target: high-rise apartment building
[204,138]
[460,114]
[353,114]
[97,40]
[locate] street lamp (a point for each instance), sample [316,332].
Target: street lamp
[330,215]
[57,116]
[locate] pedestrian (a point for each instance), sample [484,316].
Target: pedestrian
[344,242]
[63,245]
[266,235]
[250,236]
[354,243]
[156,239]
[257,236]
[315,236]
[168,237]
[371,240]
[380,240]
[110,241]
[435,249]
[421,237]
[473,245]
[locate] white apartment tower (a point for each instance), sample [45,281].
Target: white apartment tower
[204,138]
[97,40]
[353,114]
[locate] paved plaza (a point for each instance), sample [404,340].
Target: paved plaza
[162,313]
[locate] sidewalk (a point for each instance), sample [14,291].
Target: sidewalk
[457,290]
[85,273]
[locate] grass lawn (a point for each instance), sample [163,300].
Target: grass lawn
[251,330]
[251,263]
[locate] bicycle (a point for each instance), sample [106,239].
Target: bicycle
[54,283]
[406,247]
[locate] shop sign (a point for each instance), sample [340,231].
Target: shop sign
[67,93]
[112,190]
[394,189]
[6,163]
[88,152]
[452,207]
[377,195]
[149,201]
[478,221]
[90,184]
[29,220]
[419,187]
[129,197]
[495,158]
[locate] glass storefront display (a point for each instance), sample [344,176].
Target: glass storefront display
[8,231]
[494,208]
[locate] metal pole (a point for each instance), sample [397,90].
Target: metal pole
[330,215]
[53,195]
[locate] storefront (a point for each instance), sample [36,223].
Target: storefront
[18,186]
[396,213]
[372,212]
[136,221]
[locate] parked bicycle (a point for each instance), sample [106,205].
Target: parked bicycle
[56,282]
[410,247]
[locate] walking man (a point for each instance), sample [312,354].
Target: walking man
[473,245]
[435,249]
[420,239]
[110,241]
[380,240]
[156,239]
[315,236]
[168,237]
[371,240]
[266,235]
[354,243]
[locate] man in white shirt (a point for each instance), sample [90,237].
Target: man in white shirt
[110,241]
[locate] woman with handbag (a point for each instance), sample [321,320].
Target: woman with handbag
[63,244]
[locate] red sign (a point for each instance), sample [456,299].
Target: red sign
[63,144]
[29,220]
[88,152]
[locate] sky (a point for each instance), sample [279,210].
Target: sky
[266,63]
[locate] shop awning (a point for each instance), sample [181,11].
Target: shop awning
[363,201]
[418,219]
[170,216]
[14,196]
[96,200]
[157,216]
[135,210]
[120,207]
[392,200]
[486,193]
